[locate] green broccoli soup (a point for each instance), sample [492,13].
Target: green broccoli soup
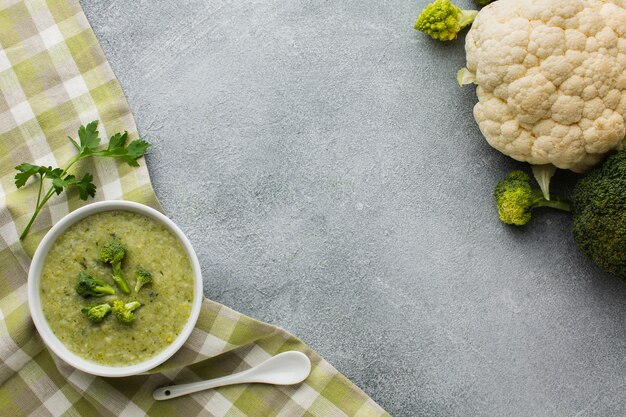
[117,288]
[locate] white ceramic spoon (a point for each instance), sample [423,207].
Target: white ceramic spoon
[286,368]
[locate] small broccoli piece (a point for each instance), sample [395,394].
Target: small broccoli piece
[599,206]
[143,277]
[112,253]
[96,312]
[484,2]
[442,20]
[89,287]
[124,312]
[515,199]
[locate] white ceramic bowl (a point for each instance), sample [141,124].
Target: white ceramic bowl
[35,301]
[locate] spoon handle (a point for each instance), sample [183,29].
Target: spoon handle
[173,391]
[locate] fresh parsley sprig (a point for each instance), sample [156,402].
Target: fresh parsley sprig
[87,145]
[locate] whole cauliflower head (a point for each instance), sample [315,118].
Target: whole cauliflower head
[551,79]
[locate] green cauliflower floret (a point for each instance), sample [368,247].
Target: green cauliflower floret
[97,312]
[124,311]
[87,286]
[112,253]
[515,199]
[599,206]
[142,277]
[442,20]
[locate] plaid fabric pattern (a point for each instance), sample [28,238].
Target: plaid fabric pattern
[53,78]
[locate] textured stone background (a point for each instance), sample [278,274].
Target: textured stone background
[328,170]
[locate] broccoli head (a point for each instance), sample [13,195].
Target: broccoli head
[124,311]
[442,20]
[112,253]
[96,312]
[515,199]
[143,277]
[89,287]
[599,206]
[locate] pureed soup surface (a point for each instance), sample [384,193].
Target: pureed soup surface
[166,302]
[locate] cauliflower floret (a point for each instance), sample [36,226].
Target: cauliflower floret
[551,78]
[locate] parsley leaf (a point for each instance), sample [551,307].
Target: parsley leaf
[88,136]
[48,172]
[137,148]
[60,183]
[25,172]
[86,187]
[117,141]
[129,154]
[28,170]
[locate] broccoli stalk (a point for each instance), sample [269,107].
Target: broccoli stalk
[87,286]
[515,199]
[97,312]
[142,277]
[112,253]
[442,20]
[124,311]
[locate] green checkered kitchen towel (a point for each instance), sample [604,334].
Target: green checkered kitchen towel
[53,78]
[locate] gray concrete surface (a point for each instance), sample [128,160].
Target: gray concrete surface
[329,172]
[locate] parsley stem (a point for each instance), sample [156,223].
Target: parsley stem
[37,210]
[42,202]
[39,191]
[69,165]
[30,223]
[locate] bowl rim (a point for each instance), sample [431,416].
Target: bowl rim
[34,300]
